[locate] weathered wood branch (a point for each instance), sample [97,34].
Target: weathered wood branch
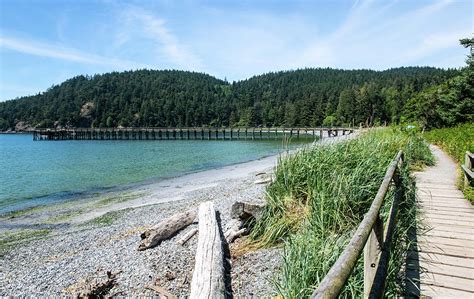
[235,225]
[187,236]
[263,181]
[232,234]
[166,228]
[208,275]
[161,291]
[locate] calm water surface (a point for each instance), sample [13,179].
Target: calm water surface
[39,172]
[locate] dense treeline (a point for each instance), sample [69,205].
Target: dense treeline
[134,98]
[446,104]
[313,97]
[307,97]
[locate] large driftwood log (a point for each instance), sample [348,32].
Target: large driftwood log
[208,275]
[166,229]
[187,236]
[245,210]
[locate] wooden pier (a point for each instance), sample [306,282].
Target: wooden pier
[186,133]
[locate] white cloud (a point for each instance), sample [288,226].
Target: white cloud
[239,41]
[142,24]
[60,52]
[434,43]
[240,44]
[372,34]
[378,36]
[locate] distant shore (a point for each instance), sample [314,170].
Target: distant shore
[15,132]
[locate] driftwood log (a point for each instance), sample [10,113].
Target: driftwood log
[263,181]
[246,210]
[242,213]
[166,228]
[208,275]
[187,236]
[232,234]
[235,230]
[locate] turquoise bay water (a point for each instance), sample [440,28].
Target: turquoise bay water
[37,172]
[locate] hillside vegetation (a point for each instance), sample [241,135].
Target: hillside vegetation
[307,97]
[449,103]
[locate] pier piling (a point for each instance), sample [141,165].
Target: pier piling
[185,133]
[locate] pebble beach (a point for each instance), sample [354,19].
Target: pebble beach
[81,248]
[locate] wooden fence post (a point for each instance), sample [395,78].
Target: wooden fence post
[372,251]
[467,166]
[378,285]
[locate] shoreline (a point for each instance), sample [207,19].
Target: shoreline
[60,247]
[105,238]
[175,188]
[39,199]
[69,197]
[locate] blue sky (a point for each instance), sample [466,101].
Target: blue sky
[44,42]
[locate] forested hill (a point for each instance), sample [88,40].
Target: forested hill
[307,97]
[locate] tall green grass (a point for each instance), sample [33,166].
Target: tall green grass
[455,141]
[319,197]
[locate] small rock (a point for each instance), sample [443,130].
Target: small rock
[170,275]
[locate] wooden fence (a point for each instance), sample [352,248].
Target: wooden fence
[373,239]
[467,169]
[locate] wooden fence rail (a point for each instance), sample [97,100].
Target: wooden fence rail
[467,169]
[371,238]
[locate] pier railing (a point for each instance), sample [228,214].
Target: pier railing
[373,239]
[467,169]
[185,133]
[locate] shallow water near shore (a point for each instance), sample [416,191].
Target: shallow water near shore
[40,172]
